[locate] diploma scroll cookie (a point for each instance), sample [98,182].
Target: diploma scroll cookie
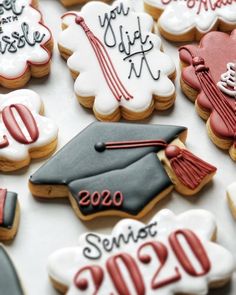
[24,133]
[25,43]
[208,78]
[9,215]
[173,254]
[187,20]
[118,169]
[117,63]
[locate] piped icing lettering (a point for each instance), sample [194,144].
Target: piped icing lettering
[22,35]
[214,82]
[169,258]
[117,157]
[21,125]
[180,17]
[123,55]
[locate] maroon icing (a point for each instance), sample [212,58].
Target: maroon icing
[118,278]
[113,271]
[172,151]
[3,195]
[189,169]
[215,51]
[203,5]
[197,249]
[162,255]
[4,143]
[96,199]
[97,276]
[14,128]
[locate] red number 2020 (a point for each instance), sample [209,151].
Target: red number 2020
[104,198]
[161,252]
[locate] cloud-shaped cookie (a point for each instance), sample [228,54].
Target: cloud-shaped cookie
[24,132]
[118,64]
[25,43]
[172,254]
[185,20]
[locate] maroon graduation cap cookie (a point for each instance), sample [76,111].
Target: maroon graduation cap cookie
[9,215]
[121,169]
[209,79]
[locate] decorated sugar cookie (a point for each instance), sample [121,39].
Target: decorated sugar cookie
[121,169]
[25,43]
[173,254]
[24,133]
[117,63]
[208,78]
[9,215]
[231,196]
[9,282]
[187,20]
[73,2]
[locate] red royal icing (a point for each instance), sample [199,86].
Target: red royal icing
[216,50]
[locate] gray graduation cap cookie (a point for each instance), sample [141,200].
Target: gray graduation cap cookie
[121,169]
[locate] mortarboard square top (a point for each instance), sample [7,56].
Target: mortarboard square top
[132,163]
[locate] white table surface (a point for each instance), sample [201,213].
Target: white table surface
[48,226]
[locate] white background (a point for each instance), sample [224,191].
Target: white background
[47,226]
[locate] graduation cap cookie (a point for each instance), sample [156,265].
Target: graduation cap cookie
[121,169]
[9,215]
[9,282]
[209,79]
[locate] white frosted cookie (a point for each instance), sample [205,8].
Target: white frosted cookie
[186,20]
[173,254]
[117,63]
[231,196]
[24,132]
[73,2]
[25,43]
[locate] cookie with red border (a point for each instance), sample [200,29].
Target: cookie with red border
[9,215]
[172,254]
[208,79]
[118,169]
[25,43]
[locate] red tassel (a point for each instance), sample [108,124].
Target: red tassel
[3,195]
[189,169]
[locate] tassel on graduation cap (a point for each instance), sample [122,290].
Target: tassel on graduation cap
[189,169]
[109,72]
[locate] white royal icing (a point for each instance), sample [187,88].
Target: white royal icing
[48,130]
[180,16]
[91,81]
[20,19]
[64,264]
[231,194]
[227,83]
